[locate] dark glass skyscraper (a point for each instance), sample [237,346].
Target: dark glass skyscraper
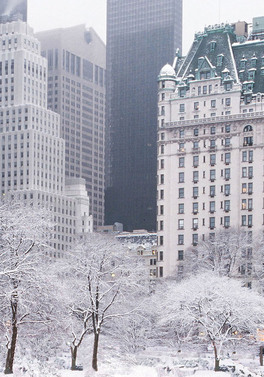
[142,36]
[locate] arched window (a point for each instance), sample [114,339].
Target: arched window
[248,128]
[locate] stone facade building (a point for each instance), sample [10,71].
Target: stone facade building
[210,142]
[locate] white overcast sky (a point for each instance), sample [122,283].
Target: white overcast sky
[49,14]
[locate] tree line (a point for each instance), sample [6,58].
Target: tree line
[102,287]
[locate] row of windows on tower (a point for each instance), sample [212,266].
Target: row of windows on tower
[246,188]
[226,158]
[247,172]
[34,69]
[246,220]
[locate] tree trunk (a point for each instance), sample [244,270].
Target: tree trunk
[217,361]
[261,355]
[11,351]
[95,351]
[74,350]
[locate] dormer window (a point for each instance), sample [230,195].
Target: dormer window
[205,75]
[253,62]
[225,73]
[251,74]
[241,75]
[212,46]
[243,63]
[220,59]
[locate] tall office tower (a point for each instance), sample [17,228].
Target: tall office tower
[210,144]
[142,36]
[32,151]
[76,90]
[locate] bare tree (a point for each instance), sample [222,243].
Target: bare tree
[107,276]
[215,309]
[23,278]
[231,253]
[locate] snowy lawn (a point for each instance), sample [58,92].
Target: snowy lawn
[208,373]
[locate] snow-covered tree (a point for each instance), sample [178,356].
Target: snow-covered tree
[230,252]
[25,299]
[104,277]
[212,309]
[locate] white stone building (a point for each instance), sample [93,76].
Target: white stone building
[32,151]
[210,142]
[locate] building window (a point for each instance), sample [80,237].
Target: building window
[227,221]
[195,161]
[182,108]
[180,254]
[181,162]
[181,193]
[248,128]
[162,179]
[243,220]
[227,205]
[195,239]
[212,191]
[227,158]
[196,132]
[212,130]
[250,221]
[181,224]
[161,272]
[213,103]
[195,223]
[212,143]
[244,204]
[250,188]
[161,256]
[244,156]
[181,177]
[195,144]
[180,239]
[244,172]
[211,222]
[212,207]
[195,176]
[228,101]
[181,134]
[227,190]
[195,192]
[181,147]
[248,141]
[181,208]
[250,172]
[195,207]
[250,156]
[161,240]
[212,175]
[227,174]
[196,105]
[162,149]
[212,159]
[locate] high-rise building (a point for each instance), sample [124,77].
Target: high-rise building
[76,91]
[32,152]
[142,36]
[210,143]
